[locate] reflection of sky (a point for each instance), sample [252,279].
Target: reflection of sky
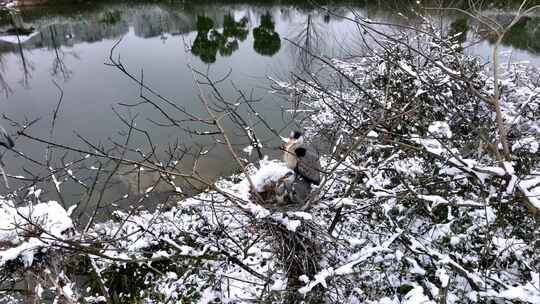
[484,49]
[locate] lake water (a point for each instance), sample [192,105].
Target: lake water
[70,45]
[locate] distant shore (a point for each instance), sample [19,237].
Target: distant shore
[463,4]
[20,3]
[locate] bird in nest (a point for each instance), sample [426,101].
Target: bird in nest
[288,191]
[302,159]
[294,187]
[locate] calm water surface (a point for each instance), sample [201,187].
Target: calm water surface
[70,46]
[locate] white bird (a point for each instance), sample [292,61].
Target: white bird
[302,158]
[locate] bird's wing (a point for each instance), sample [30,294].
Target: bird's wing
[309,166]
[301,189]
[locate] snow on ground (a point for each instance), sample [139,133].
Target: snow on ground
[30,228]
[189,228]
[198,216]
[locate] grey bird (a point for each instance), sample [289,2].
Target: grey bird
[292,188]
[301,158]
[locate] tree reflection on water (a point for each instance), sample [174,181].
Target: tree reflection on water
[266,39]
[210,41]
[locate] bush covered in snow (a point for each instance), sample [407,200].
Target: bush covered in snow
[438,213]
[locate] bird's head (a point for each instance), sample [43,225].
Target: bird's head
[296,137]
